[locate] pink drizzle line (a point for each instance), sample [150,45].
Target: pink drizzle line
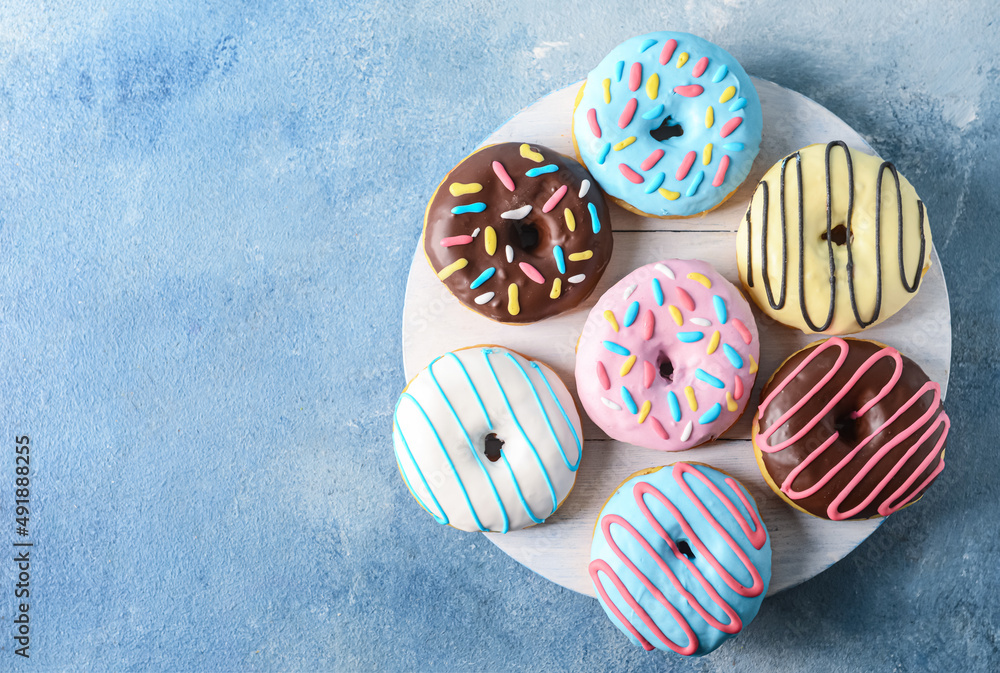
[686,165]
[630,174]
[627,113]
[456,240]
[730,126]
[742,329]
[648,323]
[555,199]
[690,91]
[648,374]
[685,299]
[531,272]
[592,120]
[658,428]
[503,175]
[651,160]
[635,76]
[699,68]
[720,175]
[602,376]
[668,51]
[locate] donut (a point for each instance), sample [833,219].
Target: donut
[668,123]
[850,429]
[847,228]
[680,559]
[518,232]
[668,356]
[487,439]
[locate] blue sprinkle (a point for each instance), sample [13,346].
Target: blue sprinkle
[470,208]
[655,183]
[629,402]
[595,223]
[734,357]
[541,170]
[631,313]
[720,74]
[483,277]
[619,69]
[647,43]
[616,349]
[654,113]
[704,376]
[603,154]
[738,105]
[675,407]
[720,309]
[733,147]
[690,337]
[657,292]
[560,260]
[711,414]
[693,189]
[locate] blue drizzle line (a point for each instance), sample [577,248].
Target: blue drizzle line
[690,337]
[603,154]
[738,105]
[733,147]
[594,222]
[442,518]
[541,170]
[557,252]
[720,74]
[734,357]
[693,189]
[646,44]
[629,402]
[483,277]
[720,309]
[619,69]
[675,407]
[655,183]
[653,113]
[702,375]
[711,414]
[579,447]
[538,400]
[657,292]
[477,207]
[616,349]
[631,313]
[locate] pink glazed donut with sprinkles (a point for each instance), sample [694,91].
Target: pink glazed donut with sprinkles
[668,356]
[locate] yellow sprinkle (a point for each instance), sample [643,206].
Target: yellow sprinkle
[461,188]
[580,256]
[682,59]
[692,402]
[452,268]
[623,144]
[669,195]
[610,317]
[714,343]
[675,313]
[556,289]
[627,367]
[709,117]
[512,306]
[727,94]
[698,278]
[753,365]
[570,220]
[607,91]
[644,411]
[730,402]
[706,155]
[527,153]
[653,86]
[490,238]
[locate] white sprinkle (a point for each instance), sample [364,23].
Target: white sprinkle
[483,298]
[608,403]
[704,322]
[510,255]
[518,214]
[665,270]
[687,432]
[475,233]
[628,291]
[577,278]
[584,188]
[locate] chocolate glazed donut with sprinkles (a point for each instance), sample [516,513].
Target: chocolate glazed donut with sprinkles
[518,232]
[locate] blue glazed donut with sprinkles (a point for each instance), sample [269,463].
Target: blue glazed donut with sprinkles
[669,124]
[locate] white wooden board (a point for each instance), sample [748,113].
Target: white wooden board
[434,322]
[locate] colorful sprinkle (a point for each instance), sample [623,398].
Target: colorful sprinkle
[700,278]
[720,175]
[581,256]
[709,117]
[653,113]
[629,402]
[753,365]
[584,188]
[738,105]
[483,298]
[730,126]
[693,189]
[616,349]
[501,173]
[690,337]
[711,415]
[477,207]
[595,128]
[483,277]
[720,309]
[603,154]
[686,435]
[692,400]
[595,223]
[610,317]
[668,51]
[720,74]
[666,271]
[512,306]
[556,289]
[702,322]
[738,387]
[686,301]
[648,324]
[532,273]
[490,240]
[456,240]
[611,405]
[557,252]
[706,155]
[705,377]
[475,232]
[655,183]
[452,268]
[651,160]
[629,290]
[713,343]
[631,313]
[742,329]
[646,44]
[635,76]
[700,67]
[682,59]
[653,86]
[578,278]
[623,144]
[675,407]
[607,90]
[727,94]
[510,254]
[733,147]
[529,153]
[602,376]
[541,170]
[619,69]
[627,366]
[734,358]
[690,90]
[626,117]
[669,195]
[657,292]
[462,188]
[686,165]
[570,220]
[516,214]
[644,411]
[555,199]
[730,402]
[675,313]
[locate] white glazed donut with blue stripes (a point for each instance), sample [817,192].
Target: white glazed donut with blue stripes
[448,428]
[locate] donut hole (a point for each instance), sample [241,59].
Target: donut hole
[493,444]
[839,235]
[684,548]
[526,235]
[666,130]
[847,427]
[665,367]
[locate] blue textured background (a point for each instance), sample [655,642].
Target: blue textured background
[207,211]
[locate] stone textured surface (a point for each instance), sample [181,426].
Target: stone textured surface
[207,211]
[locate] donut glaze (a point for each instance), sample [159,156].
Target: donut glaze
[445,429]
[668,356]
[680,558]
[834,240]
[850,429]
[640,97]
[518,232]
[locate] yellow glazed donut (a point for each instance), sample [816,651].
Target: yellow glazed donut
[834,240]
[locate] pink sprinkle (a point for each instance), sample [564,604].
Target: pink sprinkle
[700,66]
[648,323]
[630,174]
[731,126]
[668,51]
[627,113]
[592,120]
[738,385]
[686,301]
[742,329]
[686,165]
[720,175]
[554,199]
[651,160]
[690,91]
[532,273]
[455,240]
[602,376]
[658,429]
[635,76]
[502,174]
[648,373]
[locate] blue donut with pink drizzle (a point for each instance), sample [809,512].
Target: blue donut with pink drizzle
[669,124]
